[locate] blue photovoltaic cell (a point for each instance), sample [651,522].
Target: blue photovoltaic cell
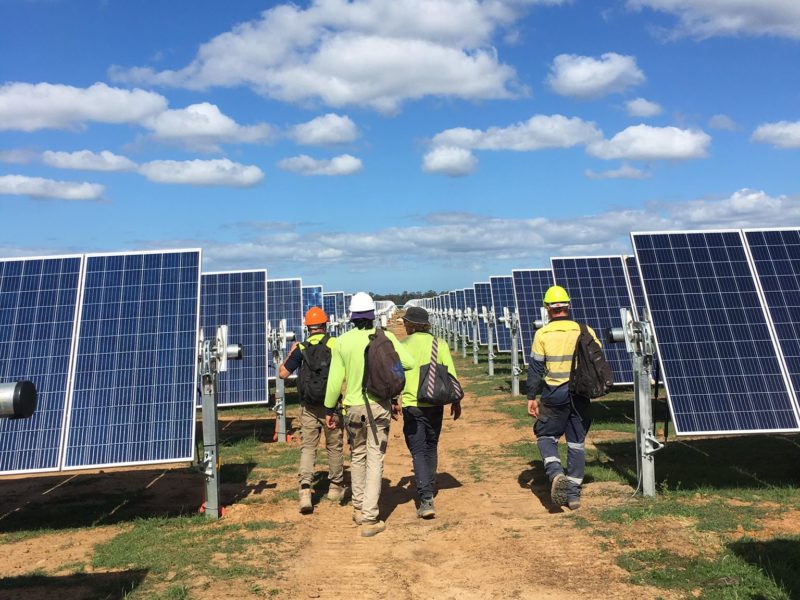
[312,296]
[776,256]
[529,288]
[38,306]
[341,314]
[461,301]
[133,400]
[598,290]
[329,306]
[469,297]
[483,299]
[502,296]
[446,304]
[718,358]
[238,300]
[285,301]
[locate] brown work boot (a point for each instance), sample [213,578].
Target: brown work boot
[370,529]
[357,518]
[306,507]
[558,490]
[336,492]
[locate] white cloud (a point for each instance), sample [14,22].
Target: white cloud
[305,165]
[87,160]
[783,134]
[49,189]
[709,18]
[624,172]
[18,157]
[449,160]
[222,172]
[203,127]
[723,122]
[585,77]
[744,208]
[643,108]
[376,53]
[642,142]
[537,133]
[29,107]
[326,130]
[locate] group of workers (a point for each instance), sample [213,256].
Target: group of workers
[346,405]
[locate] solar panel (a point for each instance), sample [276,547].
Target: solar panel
[529,288]
[719,359]
[776,257]
[285,301]
[637,294]
[133,396]
[238,299]
[312,296]
[329,306]
[469,302]
[38,310]
[598,289]
[483,299]
[502,297]
[341,313]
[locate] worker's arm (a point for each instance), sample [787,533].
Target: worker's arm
[536,367]
[291,363]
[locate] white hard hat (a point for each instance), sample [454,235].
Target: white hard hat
[361,302]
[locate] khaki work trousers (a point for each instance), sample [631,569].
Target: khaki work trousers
[312,424]
[368,431]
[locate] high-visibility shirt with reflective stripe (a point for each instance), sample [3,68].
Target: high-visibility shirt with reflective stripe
[420,346]
[551,359]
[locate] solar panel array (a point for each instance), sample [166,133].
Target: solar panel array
[285,301]
[502,297]
[598,288]
[112,349]
[312,296]
[529,288]
[719,344]
[238,299]
[329,306]
[483,298]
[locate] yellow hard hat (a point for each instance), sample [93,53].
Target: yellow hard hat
[556,296]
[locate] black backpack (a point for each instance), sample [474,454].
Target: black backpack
[384,377]
[313,376]
[590,375]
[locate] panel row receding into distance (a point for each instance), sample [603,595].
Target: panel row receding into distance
[469,300]
[238,299]
[133,397]
[719,358]
[285,302]
[529,288]
[38,314]
[502,297]
[598,289]
[483,298]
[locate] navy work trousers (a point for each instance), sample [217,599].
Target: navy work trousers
[421,428]
[571,420]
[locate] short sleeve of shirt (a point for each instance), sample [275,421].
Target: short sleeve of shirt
[295,360]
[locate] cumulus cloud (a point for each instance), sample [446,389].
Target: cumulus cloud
[642,142]
[377,53]
[476,239]
[723,122]
[49,189]
[709,18]
[643,108]
[338,165]
[203,127]
[585,77]
[783,134]
[219,172]
[86,160]
[29,107]
[624,172]
[449,160]
[18,157]
[326,130]
[537,133]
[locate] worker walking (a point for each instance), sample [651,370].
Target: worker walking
[313,359]
[422,422]
[559,412]
[367,417]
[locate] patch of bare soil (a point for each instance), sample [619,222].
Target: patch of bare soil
[787,523]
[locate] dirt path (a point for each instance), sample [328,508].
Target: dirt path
[493,536]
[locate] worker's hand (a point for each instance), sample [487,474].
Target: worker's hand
[533,408]
[396,410]
[330,421]
[455,410]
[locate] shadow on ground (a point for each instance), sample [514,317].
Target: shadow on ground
[778,558]
[81,586]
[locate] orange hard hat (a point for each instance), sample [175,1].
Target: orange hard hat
[315,316]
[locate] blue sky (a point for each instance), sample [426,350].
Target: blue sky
[393,145]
